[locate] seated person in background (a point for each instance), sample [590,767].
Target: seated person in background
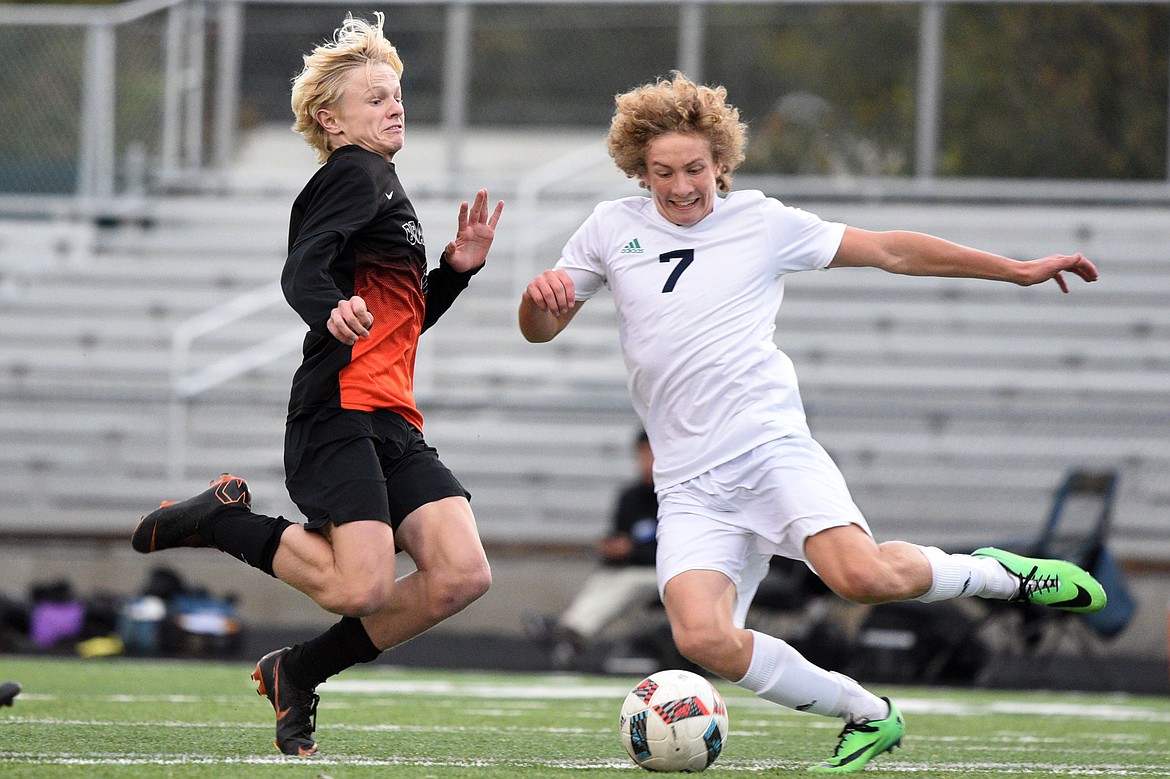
[626,578]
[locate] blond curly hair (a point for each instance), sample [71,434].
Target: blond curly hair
[357,43]
[676,105]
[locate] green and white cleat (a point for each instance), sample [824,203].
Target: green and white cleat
[862,741]
[1055,583]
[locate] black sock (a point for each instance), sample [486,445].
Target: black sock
[343,645]
[253,538]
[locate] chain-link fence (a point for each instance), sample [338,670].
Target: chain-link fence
[115,100]
[84,90]
[96,96]
[41,76]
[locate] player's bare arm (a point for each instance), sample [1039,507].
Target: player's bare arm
[918,254]
[548,305]
[350,320]
[477,230]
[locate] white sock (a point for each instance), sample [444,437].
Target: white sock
[780,674]
[963,576]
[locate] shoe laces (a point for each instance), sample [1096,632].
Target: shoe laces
[851,728]
[1031,584]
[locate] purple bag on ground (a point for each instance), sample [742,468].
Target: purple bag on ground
[54,621]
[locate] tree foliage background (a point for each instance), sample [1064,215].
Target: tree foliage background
[1056,91]
[1030,89]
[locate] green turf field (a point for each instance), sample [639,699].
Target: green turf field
[119,718]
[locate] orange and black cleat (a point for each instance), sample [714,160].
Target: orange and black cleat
[296,709]
[182,523]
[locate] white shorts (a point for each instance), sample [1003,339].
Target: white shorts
[735,517]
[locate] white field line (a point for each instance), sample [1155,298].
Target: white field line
[380,728]
[754,766]
[1004,744]
[567,689]
[1000,743]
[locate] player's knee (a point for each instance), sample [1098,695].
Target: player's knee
[702,647]
[472,584]
[456,590]
[362,598]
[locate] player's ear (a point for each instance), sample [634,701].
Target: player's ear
[328,121]
[641,175]
[721,179]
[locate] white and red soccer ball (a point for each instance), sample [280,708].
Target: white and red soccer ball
[674,721]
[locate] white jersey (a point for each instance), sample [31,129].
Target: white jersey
[697,310]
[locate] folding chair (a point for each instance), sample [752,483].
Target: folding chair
[1078,524]
[1077,530]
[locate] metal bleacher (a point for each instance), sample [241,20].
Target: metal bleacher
[953,406]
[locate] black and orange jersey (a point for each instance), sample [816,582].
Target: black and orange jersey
[353,231]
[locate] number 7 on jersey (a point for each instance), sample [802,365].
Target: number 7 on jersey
[685,258]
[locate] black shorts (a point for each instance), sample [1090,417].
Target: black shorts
[342,465]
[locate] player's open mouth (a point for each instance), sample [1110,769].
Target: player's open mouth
[686,203]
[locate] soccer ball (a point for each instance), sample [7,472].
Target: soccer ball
[674,721]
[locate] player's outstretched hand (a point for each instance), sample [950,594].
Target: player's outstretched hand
[1053,267]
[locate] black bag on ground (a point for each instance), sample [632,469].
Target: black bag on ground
[918,643]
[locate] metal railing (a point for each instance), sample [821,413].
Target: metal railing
[188,383]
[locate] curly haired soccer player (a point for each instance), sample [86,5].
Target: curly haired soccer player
[697,280]
[356,462]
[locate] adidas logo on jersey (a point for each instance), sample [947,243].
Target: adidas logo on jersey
[633,247]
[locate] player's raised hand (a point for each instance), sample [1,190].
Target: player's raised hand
[350,320]
[477,230]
